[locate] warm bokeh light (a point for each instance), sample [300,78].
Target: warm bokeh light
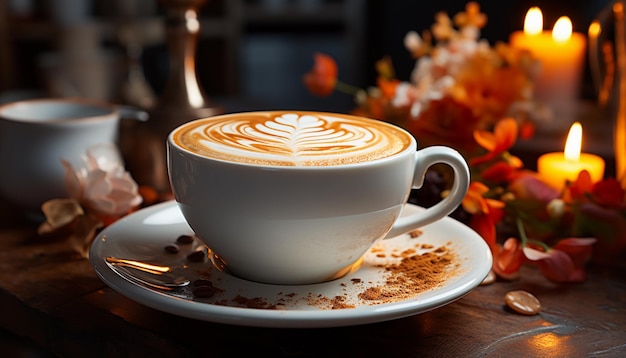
[594,29]
[533,22]
[562,30]
[574,142]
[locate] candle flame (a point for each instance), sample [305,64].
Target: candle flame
[533,22]
[562,30]
[574,142]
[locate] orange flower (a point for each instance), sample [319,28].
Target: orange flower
[387,86]
[471,17]
[502,139]
[578,190]
[606,193]
[445,122]
[609,193]
[508,258]
[485,212]
[499,172]
[384,67]
[487,88]
[474,202]
[321,80]
[486,228]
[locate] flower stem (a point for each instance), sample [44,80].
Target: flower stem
[526,240]
[346,88]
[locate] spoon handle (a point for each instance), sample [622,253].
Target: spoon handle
[138,272]
[139,265]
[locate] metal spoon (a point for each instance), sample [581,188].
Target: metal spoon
[156,276]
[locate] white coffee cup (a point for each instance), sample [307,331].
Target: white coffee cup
[35,135]
[290,197]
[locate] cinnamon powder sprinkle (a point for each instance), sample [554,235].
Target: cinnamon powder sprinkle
[255,302]
[415,233]
[414,274]
[333,303]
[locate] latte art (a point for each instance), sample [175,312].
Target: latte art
[292,139]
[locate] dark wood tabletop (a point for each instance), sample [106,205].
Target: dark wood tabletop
[50,296]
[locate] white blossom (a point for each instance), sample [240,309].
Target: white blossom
[101,183]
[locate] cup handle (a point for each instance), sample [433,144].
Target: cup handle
[424,159]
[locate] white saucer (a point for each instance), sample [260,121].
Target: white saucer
[144,234]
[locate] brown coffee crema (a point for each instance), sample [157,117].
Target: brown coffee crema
[291,138]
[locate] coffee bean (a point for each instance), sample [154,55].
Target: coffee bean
[205,291]
[522,302]
[202,282]
[491,278]
[184,239]
[196,256]
[172,248]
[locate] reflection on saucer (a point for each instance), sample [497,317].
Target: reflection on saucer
[167,216]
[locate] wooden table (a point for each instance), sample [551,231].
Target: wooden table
[53,298]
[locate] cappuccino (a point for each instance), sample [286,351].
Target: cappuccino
[276,198]
[291,138]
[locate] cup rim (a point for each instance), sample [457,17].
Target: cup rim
[411,147]
[109,110]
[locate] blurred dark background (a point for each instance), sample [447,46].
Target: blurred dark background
[249,51]
[255,50]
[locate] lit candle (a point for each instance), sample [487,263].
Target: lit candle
[561,54]
[555,169]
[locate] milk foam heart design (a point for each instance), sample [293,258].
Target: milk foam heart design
[292,134]
[293,139]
